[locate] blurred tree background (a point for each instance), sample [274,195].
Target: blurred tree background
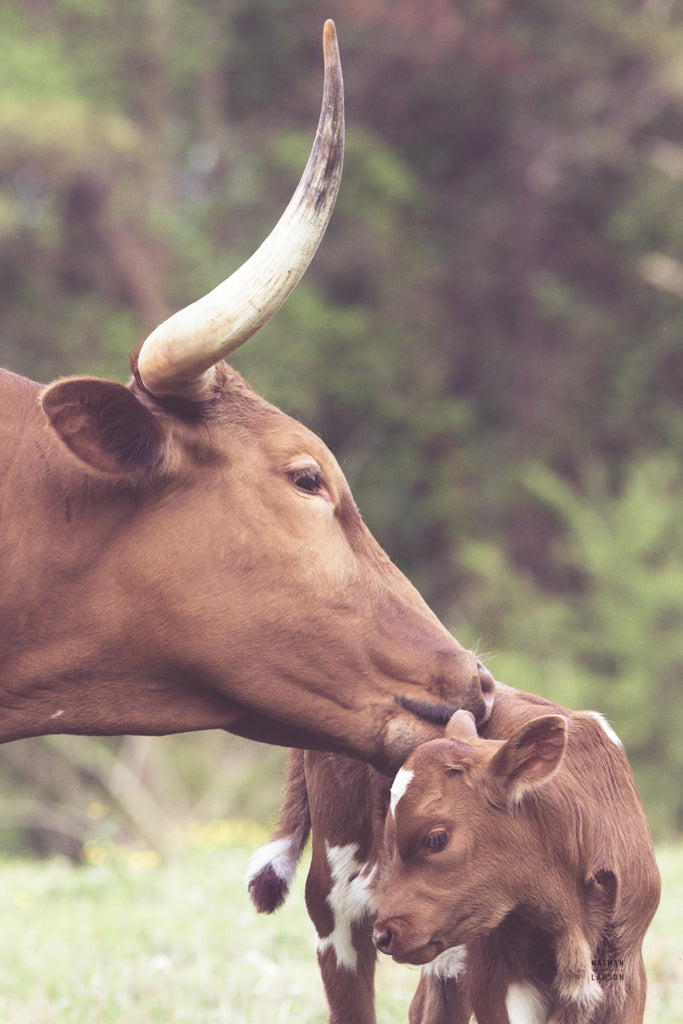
[490,337]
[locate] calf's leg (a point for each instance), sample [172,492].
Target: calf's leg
[342,918]
[347,799]
[440,999]
[624,992]
[578,993]
[350,991]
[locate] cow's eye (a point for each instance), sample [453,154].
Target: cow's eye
[436,840]
[308,479]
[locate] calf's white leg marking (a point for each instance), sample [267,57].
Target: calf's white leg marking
[525,1005]
[449,964]
[585,992]
[350,899]
[575,982]
[400,785]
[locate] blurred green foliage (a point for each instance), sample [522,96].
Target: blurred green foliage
[489,337]
[608,633]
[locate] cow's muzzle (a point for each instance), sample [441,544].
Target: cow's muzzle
[477,698]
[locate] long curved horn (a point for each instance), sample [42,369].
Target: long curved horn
[178,357]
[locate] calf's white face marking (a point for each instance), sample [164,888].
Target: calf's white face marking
[349,899]
[525,1005]
[400,785]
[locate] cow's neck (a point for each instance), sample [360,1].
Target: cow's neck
[58,532]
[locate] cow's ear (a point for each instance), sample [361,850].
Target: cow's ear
[530,757]
[105,425]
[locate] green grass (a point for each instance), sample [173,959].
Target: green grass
[131,939]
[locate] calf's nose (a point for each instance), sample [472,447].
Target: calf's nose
[382,938]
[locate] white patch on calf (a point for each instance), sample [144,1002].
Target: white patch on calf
[400,785]
[525,1005]
[449,964]
[575,982]
[606,727]
[584,992]
[279,855]
[350,899]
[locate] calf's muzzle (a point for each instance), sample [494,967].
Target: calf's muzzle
[389,939]
[382,938]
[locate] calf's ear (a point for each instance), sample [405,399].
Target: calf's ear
[530,757]
[105,425]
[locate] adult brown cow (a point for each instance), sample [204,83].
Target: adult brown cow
[177,554]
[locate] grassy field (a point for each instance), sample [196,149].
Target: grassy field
[128,939]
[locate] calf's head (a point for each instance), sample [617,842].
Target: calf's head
[459,856]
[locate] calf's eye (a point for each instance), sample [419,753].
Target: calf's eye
[436,840]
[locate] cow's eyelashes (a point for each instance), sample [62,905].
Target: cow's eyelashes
[309,479]
[436,840]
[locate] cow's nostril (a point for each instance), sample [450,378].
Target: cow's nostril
[382,938]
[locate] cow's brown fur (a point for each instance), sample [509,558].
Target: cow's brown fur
[538,884]
[163,571]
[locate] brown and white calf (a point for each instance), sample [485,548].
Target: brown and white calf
[516,865]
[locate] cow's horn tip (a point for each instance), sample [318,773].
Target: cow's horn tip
[329,33]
